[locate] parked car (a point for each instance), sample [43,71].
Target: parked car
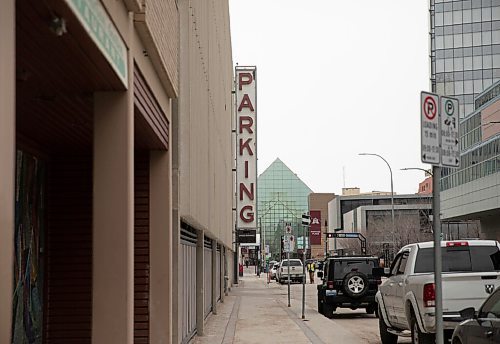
[296,271]
[349,282]
[480,327]
[406,299]
[274,269]
[270,265]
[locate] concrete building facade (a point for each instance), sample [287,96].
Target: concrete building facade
[115,151]
[371,216]
[203,161]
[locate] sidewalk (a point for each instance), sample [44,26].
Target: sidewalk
[257,312]
[252,314]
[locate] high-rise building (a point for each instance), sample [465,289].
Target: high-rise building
[465,63]
[465,48]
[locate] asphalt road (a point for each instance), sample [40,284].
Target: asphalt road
[356,325]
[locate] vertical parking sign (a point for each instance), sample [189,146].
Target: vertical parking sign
[450,143]
[429,120]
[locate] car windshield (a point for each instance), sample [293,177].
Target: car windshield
[343,267]
[460,259]
[292,263]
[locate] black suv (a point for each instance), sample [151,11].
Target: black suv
[349,282]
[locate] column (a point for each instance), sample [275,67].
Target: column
[177,305]
[113,219]
[7,165]
[160,245]
[200,269]
[214,276]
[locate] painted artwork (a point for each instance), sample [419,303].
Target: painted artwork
[29,248]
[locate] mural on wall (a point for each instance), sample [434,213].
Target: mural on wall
[29,247]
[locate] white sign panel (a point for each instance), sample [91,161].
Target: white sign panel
[429,122]
[450,143]
[288,243]
[246,147]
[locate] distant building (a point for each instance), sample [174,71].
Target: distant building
[425,187]
[318,210]
[371,215]
[282,198]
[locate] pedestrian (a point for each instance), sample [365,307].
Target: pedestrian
[246,263]
[310,268]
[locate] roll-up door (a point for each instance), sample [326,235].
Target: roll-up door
[207,280]
[218,273]
[187,282]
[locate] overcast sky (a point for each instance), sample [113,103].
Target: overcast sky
[337,78]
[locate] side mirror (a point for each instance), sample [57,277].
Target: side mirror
[320,274]
[468,313]
[387,272]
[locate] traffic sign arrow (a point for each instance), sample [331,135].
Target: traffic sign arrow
[449,119]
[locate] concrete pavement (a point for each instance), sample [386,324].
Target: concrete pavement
[257,312]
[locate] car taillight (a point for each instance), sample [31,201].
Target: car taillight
[330,284]
[457,243]
[379,282]
[429,295]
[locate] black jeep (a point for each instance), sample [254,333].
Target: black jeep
[349,282]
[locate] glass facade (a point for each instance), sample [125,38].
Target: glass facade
[282,198]
[465,48]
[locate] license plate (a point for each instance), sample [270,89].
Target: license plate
[331,292]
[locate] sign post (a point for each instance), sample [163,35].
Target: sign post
[306,220]
[439,120]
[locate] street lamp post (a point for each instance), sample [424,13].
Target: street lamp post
[392,201]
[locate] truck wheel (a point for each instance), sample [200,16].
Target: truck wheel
[328,310]
[371,309]
[320,306]
[385,337]
[417,336]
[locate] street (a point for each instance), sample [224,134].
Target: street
[257,312]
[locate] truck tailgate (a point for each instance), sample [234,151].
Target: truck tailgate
[462,290]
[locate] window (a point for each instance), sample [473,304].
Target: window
[460,259]
[395,265]
[491,308]
[342,268]
[404,260]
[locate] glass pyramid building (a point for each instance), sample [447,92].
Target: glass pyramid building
[282,198]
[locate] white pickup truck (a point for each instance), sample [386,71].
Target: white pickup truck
[296,271]
[406,300]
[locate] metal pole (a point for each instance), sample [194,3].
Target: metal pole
[392,202]
[436,172]
[392,214]
[304,272]
[288,259]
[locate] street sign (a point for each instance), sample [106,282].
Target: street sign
[429,128]
[247,236]
[450,144]
[343,235]
[306,220]
[288,243]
